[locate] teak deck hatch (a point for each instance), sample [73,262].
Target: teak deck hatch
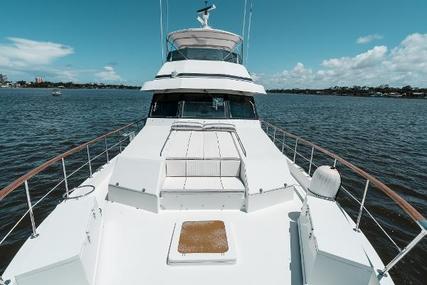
[203,237]
[202,242]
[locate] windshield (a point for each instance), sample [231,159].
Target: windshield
[207,106]
[203,54]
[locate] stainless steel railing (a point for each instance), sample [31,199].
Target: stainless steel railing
[124,137]
[275,133]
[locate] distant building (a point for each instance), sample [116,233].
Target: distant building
[3,78]
[39,80]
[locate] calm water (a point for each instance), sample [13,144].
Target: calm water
[387,137]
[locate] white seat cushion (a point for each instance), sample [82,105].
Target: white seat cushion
[175,167]
[232,183]
[227,148]
[174,183]
[195,146]
[177,145]
[230,168]
[203,183]
[203,168]
[210,146]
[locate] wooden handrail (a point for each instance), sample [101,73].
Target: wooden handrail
[408,208]
[18,182]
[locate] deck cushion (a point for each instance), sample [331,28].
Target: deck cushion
[210,146]
[203,168]
[195,146]
[232,183]
[177,145]
[227,147]
[203,184]
[174,183]
[230,168]
[175,167]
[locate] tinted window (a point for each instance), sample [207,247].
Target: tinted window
[164,105]
[202,107]
[203,54]
[208,106]
[242,107]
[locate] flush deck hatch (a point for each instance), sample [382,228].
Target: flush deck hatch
[201,242]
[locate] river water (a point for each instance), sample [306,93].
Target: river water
[385,136]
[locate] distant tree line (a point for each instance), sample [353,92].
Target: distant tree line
[382,90]
[71,85]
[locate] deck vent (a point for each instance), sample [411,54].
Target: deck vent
[326,182]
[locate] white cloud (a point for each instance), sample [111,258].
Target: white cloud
[363,60]
[108,74]
[401,65]
[21,53]
[368,38]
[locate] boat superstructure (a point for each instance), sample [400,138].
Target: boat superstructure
[205,192]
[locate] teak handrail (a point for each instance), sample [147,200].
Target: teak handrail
[18,182]
[408,208]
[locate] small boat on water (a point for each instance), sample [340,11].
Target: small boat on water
[205,192]
[56,92]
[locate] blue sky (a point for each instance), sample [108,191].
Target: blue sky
[294,43]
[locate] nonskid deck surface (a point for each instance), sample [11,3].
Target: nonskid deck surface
[136,243]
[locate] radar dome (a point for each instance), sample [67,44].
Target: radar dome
[326,182]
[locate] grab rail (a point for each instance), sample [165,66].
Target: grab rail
[413,213]
[26,177]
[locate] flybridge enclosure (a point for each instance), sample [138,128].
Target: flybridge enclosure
[205,44]
[204,38]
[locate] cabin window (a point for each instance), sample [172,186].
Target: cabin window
[164,106]
[203,54]
[205,106]
[242,107]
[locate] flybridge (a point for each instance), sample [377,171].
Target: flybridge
[204,60]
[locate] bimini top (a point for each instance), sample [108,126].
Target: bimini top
[204,38]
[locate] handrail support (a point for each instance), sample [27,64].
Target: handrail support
[402,254]
[295,150]
[274,135]
[89,161]
[362,205]
[106,150]
[311,161]
[65,177]
[30,209]
[283,142]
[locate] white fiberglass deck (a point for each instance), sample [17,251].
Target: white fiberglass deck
[135,247]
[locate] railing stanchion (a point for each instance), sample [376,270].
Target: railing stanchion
[106,150]
[362,204]
[274,135]
[30,209]
[89,161]
[335,162]
[283,142]
[295,150]
[65,177]
[311,160]
[401,254]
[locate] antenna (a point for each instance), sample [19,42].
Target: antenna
[161,30]
[249,31]
[203,17]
